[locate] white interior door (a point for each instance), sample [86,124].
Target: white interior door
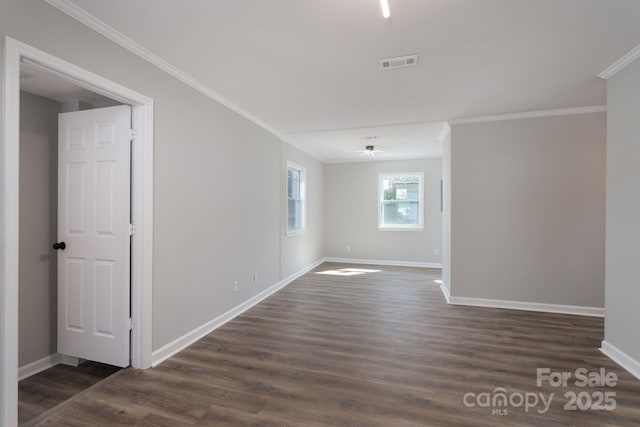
[94,189]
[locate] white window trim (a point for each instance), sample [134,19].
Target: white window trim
[303,198]
[401,227]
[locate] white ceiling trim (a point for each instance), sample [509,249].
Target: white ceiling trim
[385,125]
[375,159]
[621,63]
[114,35]
[529,115]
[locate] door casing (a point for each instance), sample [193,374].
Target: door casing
[16,52]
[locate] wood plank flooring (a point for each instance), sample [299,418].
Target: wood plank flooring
[376,349]
[47,389]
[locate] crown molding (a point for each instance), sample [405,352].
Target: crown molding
[117,37]
[529,115]
[366,159]
[621,63]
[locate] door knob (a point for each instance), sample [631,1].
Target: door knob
[60,245]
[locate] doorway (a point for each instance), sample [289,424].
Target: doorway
[48,376]
[16,55]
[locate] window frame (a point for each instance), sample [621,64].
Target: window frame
[401,227]
[302,199]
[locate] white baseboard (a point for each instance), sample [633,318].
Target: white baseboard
[446,293]
[621,358]
[179,344]
[38,366]
[384,262]
[529,306]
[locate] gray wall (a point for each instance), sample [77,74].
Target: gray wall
[217,178]
[299,251]
[38,219]
[351,213]
[527,210]
[622,313]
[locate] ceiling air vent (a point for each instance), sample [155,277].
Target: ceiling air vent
[399,62]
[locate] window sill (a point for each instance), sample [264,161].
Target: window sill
[400,228]
[296,233]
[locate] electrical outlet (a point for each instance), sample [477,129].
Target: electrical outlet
[255,277]
[236,286]
[436,252]
[348,248]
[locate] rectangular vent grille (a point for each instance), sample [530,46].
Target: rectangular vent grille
[399,62]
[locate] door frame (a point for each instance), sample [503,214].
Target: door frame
[16,52]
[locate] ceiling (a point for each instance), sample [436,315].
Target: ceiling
[408,141]
[39,81]
[309,69]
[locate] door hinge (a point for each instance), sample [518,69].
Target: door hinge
[131,324]
[133,134]
[132,229]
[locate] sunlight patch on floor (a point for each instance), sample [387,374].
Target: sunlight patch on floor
[348,271]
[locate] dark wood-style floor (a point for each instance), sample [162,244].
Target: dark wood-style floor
[47,389]
[377,349]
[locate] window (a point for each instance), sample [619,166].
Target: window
[400,201]
[296,192]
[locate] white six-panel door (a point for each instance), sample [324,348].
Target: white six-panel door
[94,224]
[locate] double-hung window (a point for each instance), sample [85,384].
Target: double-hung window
[400,201]
[296,194]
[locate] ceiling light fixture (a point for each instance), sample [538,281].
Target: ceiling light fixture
[370,151]
[386,12]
